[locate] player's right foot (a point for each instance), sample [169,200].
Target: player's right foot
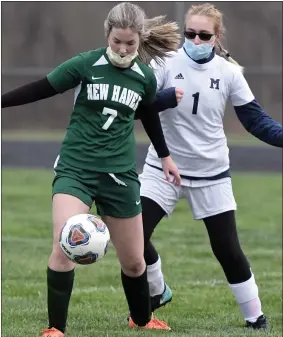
[260,324]
[52,333]
[159,301]
[154,324]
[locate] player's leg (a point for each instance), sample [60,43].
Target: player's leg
[158,199]
[60,271]
[119,205]
[160,292]
[225,244]
[215,204]
[127,238]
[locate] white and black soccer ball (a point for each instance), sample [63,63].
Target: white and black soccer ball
[84,239]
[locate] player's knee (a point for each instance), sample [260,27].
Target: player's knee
[227,253]
[134,268]
[58,261]
[234,263]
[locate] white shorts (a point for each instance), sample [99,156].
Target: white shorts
[205,198]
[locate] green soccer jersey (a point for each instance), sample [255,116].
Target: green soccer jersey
[100,135]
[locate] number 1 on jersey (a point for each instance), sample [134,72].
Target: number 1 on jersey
[113,115]
[195,106]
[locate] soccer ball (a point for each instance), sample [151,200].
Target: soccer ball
[84,239]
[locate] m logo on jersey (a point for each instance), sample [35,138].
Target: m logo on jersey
[214,84]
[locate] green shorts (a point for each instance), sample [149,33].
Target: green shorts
[116,195]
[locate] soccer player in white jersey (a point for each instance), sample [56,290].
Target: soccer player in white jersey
[196,140]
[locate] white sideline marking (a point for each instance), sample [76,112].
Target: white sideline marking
[25,240]
[98,290]
[262,251]
[209,283]
[44,241]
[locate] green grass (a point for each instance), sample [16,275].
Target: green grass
[203,304]
[57,135]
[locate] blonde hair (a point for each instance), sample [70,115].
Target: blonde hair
[157,37]
[212,12]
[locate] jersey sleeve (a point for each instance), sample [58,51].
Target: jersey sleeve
[68,74]
[160,73]
[150,91]
[240,92]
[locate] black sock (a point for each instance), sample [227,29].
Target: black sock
[59,289]
[137,294]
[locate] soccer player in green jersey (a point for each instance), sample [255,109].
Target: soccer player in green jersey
[97,161]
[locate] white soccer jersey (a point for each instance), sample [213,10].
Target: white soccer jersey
[194,129]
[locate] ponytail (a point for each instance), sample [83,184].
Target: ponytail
[225,54]
[159,38]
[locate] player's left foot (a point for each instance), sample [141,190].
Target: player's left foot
[52,333]
[260,324]
[153,324]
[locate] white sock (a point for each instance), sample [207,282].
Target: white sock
[251,310]
[155,278]
[246,295]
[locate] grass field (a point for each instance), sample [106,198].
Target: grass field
[203,304]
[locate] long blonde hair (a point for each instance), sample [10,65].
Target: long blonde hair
[157,37]
[212,12]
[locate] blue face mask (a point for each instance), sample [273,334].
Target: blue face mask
[197,51]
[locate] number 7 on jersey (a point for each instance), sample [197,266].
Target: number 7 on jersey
[113,115]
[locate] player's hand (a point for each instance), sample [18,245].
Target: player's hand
[168,167]
[179,94]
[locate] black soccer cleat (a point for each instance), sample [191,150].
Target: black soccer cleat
[260,324]
[159,301]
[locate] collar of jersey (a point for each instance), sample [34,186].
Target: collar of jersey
[201,64]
